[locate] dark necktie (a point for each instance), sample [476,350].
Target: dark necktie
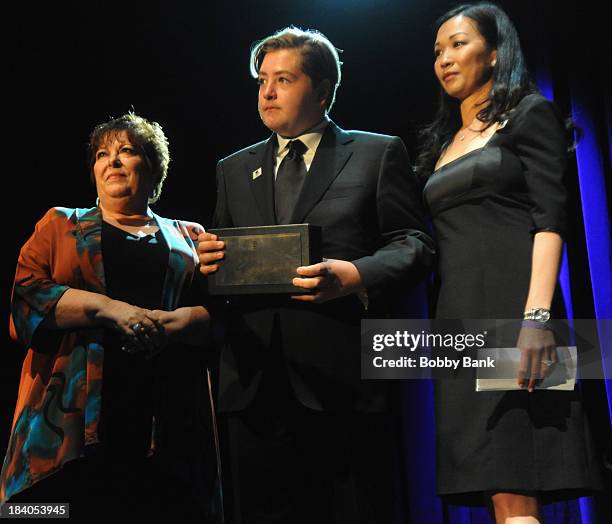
[289,180]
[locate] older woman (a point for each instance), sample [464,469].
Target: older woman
[98,294]
[495,159]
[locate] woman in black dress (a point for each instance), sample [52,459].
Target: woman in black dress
[495,159]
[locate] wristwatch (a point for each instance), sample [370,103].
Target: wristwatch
[538,314]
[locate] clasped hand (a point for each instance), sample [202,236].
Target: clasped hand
[328,279]
[538,356]
[143,330]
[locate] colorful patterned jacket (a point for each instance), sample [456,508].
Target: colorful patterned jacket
[58,403]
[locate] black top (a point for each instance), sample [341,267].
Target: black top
[134,270]
[134,267]
[487,204]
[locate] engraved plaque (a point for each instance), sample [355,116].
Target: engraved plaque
[264,259]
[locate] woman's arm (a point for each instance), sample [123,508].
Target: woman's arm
[78,308]
[143,329]
[540,141]
[545,260]
[537,345]
[189,325]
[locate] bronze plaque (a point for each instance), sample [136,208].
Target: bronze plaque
[263,259]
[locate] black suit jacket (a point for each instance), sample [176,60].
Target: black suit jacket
[361,191]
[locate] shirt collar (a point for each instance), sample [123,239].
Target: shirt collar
[310,138]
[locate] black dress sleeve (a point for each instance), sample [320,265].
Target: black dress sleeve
[540,142]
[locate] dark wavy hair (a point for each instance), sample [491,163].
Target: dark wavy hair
[511,82]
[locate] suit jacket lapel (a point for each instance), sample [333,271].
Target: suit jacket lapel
[262,185]
[330,158]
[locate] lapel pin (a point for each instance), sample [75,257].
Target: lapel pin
[257,173]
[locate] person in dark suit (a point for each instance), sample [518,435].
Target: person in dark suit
[306,440]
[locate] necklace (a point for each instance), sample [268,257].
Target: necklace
[140,230]
[145,229]
[468,128]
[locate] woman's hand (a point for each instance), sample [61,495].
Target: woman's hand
[138,330]
[330,279]
[142,330]
[538,356]
[185,324]
[170,323]
[150,331]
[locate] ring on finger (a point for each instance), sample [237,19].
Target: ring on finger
[547,362]
[138,328]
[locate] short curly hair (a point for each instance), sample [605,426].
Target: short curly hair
[147,136]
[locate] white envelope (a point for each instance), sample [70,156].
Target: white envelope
[561,378]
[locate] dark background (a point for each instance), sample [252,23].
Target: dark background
[72,65]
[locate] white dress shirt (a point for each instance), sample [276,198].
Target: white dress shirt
[311,139]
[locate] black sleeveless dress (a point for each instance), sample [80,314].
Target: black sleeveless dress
[486,206]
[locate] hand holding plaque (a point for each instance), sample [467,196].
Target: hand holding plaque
[328,279]
[258,260]
[210,251]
